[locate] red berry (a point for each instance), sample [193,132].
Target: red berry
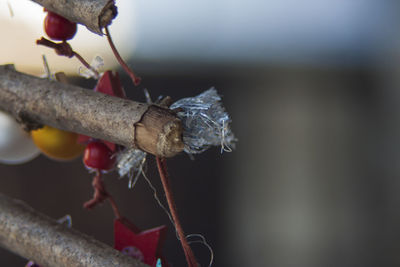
[98,156]
[59,28]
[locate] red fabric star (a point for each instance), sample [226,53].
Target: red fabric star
[143,245]
[110,84]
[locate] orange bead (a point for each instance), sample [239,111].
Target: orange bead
[57,144]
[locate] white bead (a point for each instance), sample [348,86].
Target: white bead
[16,146]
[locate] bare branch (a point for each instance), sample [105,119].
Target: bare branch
[30,99]
[94,14]
[36,237]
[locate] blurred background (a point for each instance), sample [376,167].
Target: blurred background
[313,91]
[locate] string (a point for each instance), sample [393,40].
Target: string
[159,201]
[162,169]
[129,71]
[203,242]
[100,195]
[202,238]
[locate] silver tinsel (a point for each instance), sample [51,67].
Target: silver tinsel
[205,122]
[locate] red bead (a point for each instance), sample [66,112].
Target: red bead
[59,28]
[98,156]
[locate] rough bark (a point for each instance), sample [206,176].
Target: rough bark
[94,14]
[36,237]
[34,100]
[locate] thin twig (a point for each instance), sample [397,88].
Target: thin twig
[65,49]
[135,79]
[162,169]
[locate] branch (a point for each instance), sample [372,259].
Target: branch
[94,14]
[36,237]
[30,99]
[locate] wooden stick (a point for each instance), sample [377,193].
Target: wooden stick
[33,100]
[94,14]
[36,237]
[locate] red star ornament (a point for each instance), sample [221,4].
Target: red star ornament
[110,84]
[143,245]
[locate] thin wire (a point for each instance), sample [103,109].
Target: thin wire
[158,199]
[133,181]
[203,242]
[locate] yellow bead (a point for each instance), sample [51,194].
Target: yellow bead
[57,144]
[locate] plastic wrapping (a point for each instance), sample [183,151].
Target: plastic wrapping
[205,122]
[131,162]
[97,64]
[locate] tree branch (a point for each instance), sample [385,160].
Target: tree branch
[30,99]
[36,237]
[94,14]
